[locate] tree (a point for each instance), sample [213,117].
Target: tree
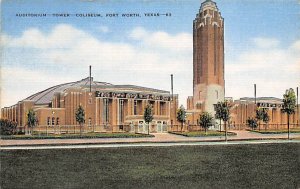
[79,114]
[218,114]
[266,117]
[181,115]
[7,127]
[148,115]
[219,108]
[262,115]
[31,119]
[252,123]
[223,113]
[289,105]
[206,120]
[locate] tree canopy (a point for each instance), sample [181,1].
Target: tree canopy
[80,114]
[222,110]
[31,118]
[289,106]
[181,114]
[289,102]
[148,115]
[262,115]
[206,120]
[252,123]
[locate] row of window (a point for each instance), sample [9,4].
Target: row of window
[106,110]
[53,121]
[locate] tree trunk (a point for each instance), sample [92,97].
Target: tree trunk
[266,126]
[181,126]
[259,125]
[225,131]
[288,122]
[220,125]
[80,129]
[148,129]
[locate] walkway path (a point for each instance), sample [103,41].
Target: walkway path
[159,138]
[148,144]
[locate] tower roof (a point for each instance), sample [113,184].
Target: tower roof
[208,4]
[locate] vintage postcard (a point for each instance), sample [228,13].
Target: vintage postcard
[117,86]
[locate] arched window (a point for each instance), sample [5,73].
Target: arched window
[48,120]
[53,120]
[217,94]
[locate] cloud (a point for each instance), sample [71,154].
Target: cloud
[104,29]
[19,83]
[273,69]
[145,58]
[265,42]
[66,51]
[163,40]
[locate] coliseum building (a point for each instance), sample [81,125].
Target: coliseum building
[107,107]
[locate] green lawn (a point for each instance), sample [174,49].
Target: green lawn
[203,134]
[230,166]
[74,136]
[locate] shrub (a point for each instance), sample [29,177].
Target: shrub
[7,127]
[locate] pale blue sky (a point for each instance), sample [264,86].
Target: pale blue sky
[262,45]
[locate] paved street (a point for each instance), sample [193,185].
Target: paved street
[159,138]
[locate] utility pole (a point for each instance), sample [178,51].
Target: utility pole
[255,93]
[298,115]
[172,86]
[90,78]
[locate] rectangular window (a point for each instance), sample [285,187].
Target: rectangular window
[105,110]
[135,108]
[121,111]
[90,122]
[162,108]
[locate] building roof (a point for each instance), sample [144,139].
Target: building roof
[271,100]
[45,96]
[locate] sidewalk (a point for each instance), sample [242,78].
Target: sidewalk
[159,138]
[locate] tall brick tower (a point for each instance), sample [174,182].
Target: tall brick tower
[208,58]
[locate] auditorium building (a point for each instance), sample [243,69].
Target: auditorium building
[107,107]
